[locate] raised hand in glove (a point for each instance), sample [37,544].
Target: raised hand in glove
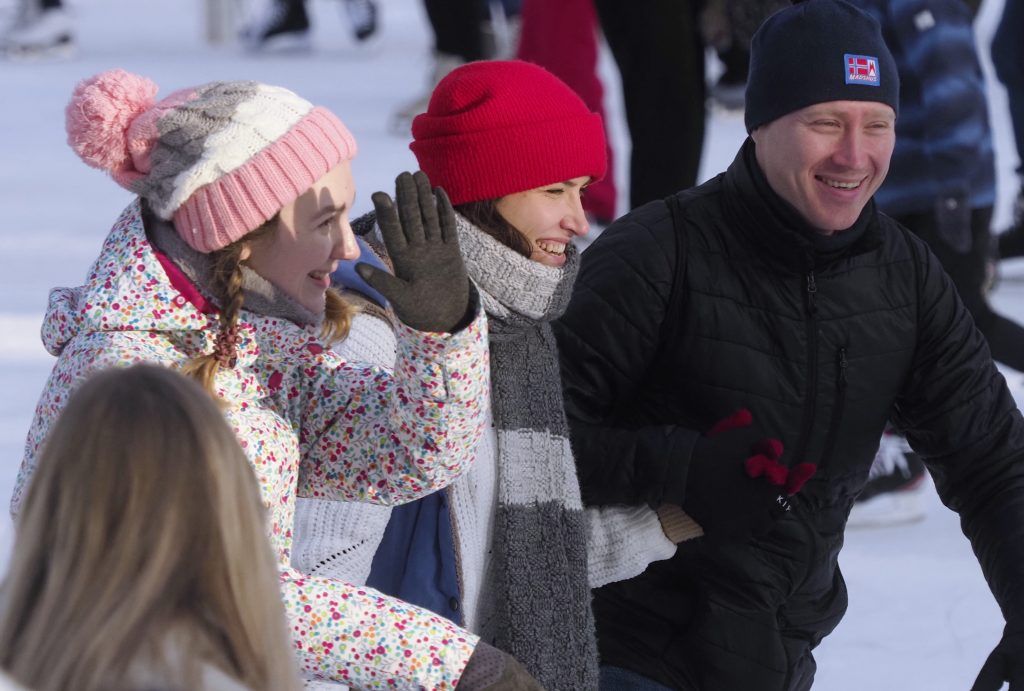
[429,290]
[736,485]
[490,669]
[1004,664]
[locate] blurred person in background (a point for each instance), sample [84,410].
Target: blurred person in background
[562,37]
[1008,59]
[221,267]
[727,26]
[141,559]
[942,186]
[284,25]
[463,31]
[659,51]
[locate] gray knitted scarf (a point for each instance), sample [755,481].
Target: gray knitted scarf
[539,575]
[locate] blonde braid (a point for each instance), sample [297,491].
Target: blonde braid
[227,287]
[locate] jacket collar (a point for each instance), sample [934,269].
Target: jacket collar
[777,229]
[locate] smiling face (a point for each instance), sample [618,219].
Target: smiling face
[549,217]
[312,234]
[828,159]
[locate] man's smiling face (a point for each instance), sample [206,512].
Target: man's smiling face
[828,159]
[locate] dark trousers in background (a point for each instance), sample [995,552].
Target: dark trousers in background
[967,267]
[1008,59]
[561,36]
[457,26]
[660,54]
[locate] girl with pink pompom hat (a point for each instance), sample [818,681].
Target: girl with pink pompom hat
[221,268]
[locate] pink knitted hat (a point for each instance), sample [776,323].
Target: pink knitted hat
[502,126]
[218,160]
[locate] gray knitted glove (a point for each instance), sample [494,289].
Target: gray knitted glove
[429,290]
[490,669]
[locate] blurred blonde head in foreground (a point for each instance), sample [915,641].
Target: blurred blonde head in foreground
[141,559]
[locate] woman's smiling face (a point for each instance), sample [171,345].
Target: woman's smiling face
[549,217]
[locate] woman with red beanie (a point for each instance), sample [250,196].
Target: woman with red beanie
[508,550]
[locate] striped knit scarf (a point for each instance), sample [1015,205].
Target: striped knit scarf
[539,575]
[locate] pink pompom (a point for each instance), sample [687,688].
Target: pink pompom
[99,114]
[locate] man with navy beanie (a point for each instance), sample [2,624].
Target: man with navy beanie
[732,354]
[816,52]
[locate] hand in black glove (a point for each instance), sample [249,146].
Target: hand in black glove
[429,290]
[1004,664]
[736,486]
[490,669]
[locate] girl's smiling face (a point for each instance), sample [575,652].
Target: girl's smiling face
[313,233]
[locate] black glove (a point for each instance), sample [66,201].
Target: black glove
[1005,663]
[736,486]
[491,669]
[429,290]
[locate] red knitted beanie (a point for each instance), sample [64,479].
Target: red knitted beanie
[498,127]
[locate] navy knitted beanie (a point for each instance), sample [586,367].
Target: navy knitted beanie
[813,52]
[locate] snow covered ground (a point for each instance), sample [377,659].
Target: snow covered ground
[920,617]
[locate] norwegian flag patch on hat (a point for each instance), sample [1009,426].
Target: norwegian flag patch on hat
[861,69]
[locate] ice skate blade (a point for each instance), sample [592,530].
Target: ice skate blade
[293,43]
[58,52]
[889,508]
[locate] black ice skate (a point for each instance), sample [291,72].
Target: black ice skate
[284,27]
[362,14]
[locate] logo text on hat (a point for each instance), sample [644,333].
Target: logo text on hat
[861,69]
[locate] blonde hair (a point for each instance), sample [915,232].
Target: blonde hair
[143,519]
[227,289]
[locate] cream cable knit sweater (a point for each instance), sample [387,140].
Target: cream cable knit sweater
[339,539]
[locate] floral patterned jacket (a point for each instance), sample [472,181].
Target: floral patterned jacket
[311,423]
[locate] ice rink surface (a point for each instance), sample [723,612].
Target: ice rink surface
[921,616]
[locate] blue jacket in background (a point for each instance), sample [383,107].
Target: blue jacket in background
[943,139]
[416,560]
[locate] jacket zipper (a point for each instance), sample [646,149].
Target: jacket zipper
[837,414]
[812,290]
[812,366]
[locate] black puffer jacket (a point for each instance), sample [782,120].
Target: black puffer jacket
[824,339]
